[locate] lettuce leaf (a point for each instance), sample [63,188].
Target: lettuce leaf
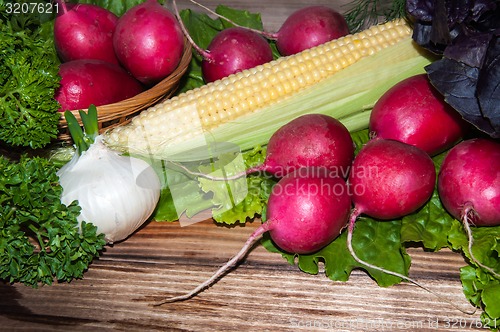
[258,188]
[432,224]
[229,201]
[374,241]
[180,194]
[483,291]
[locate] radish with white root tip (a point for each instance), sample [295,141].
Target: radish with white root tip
[307,209]
[388,180]
[469,186]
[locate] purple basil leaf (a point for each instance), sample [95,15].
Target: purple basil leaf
[466,33]
[422,36]
[440,33]
[457,82]
[482,13]
[420,10]
[488,86]
[458,10]
[471,50]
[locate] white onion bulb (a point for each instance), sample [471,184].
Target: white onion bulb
[116,193]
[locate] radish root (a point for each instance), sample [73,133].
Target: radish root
[254,237]
[468,210]
[352,221]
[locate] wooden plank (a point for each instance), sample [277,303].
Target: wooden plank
[263,293]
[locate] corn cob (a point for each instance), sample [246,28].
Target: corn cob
[247,107]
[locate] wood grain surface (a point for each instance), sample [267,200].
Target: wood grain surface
[264,293]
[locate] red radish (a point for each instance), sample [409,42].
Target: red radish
[310,140]
[469,185]
[86,82]
[309,27]
[233,50]
[414,112]
[149,42]
[307,209]
[84,31]
[389,180]
[469,178]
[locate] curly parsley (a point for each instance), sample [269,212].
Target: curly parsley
[39,236]
[28,80]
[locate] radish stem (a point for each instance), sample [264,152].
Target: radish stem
[204,53]
[468,210]
[266,34]
[62,3]
[258,168]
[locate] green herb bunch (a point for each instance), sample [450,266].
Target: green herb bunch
[361,14]
[40,240]
[29,78]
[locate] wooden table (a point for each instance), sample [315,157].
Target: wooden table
[264,293]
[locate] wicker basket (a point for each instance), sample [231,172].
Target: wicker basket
[112,115]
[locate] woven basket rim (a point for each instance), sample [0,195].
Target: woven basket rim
[160,90]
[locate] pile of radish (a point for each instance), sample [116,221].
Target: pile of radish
[146,43]
[390,177]
[238,48]
[106,59]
